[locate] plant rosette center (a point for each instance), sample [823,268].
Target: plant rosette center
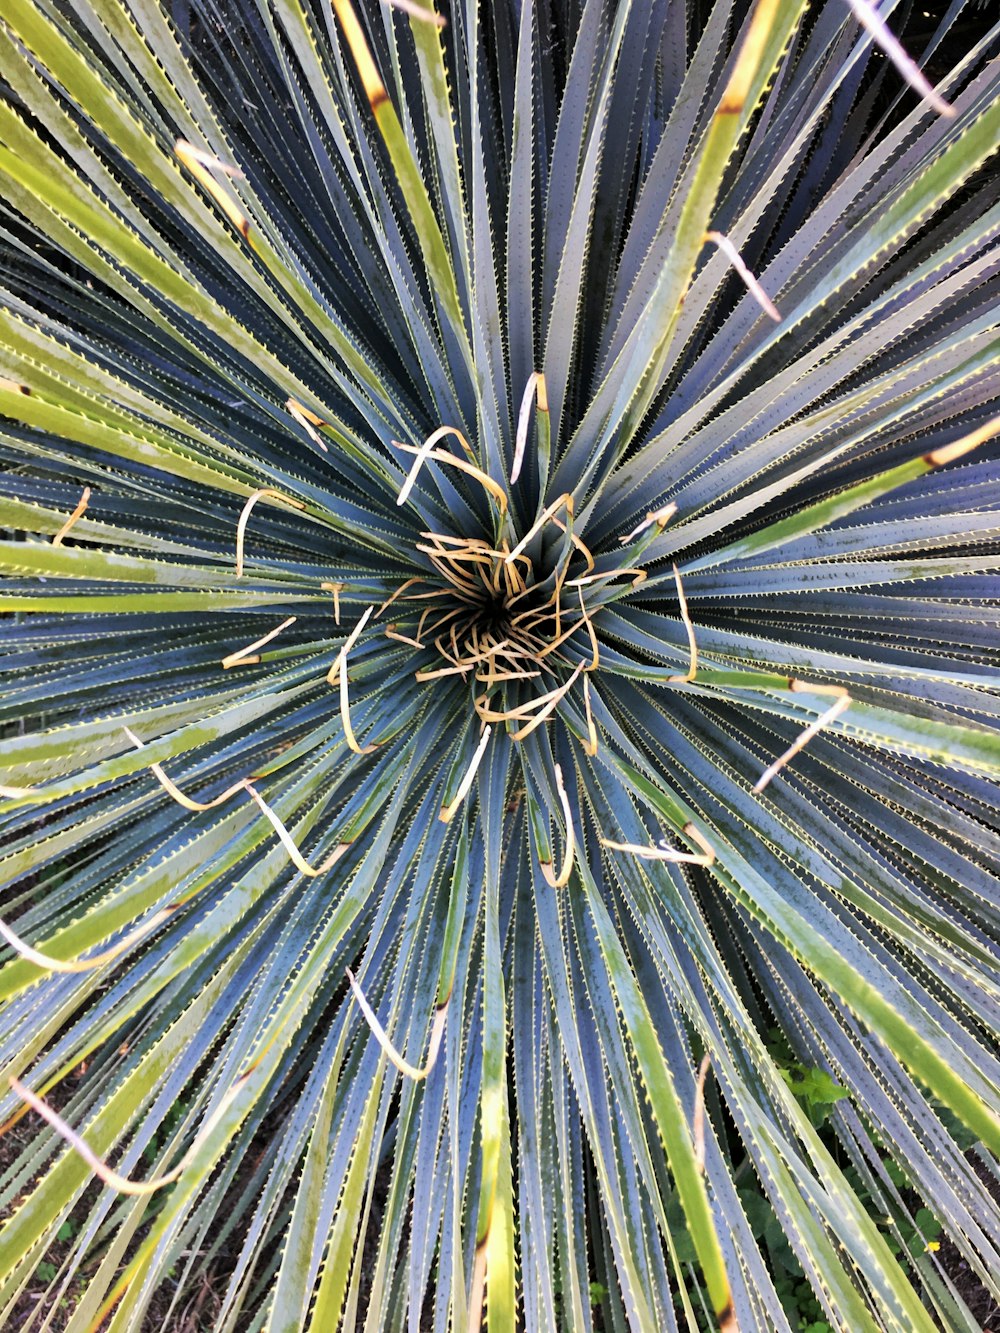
[514,619]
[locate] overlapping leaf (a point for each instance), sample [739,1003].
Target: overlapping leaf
[251,253]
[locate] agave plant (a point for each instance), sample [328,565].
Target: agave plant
[480,663]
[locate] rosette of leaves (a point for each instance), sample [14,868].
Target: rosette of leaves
[475,665]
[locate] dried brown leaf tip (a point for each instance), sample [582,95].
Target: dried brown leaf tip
[53,963]
[289,843]
[201,164]
[465,786]
[660,517]
[75,516]
[535,391]
[173,791]
[415,1072]
[309,422]
[698,1121]
[15,793]
[842,701]
[255,497]
[371,80]
[692,670]
[336,589]
[758,293]
[467,464]
[562,879]
[423,13]
[948,453]
[664,852]
[249,656]
[873,22]
[338,673]
[113,1179]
